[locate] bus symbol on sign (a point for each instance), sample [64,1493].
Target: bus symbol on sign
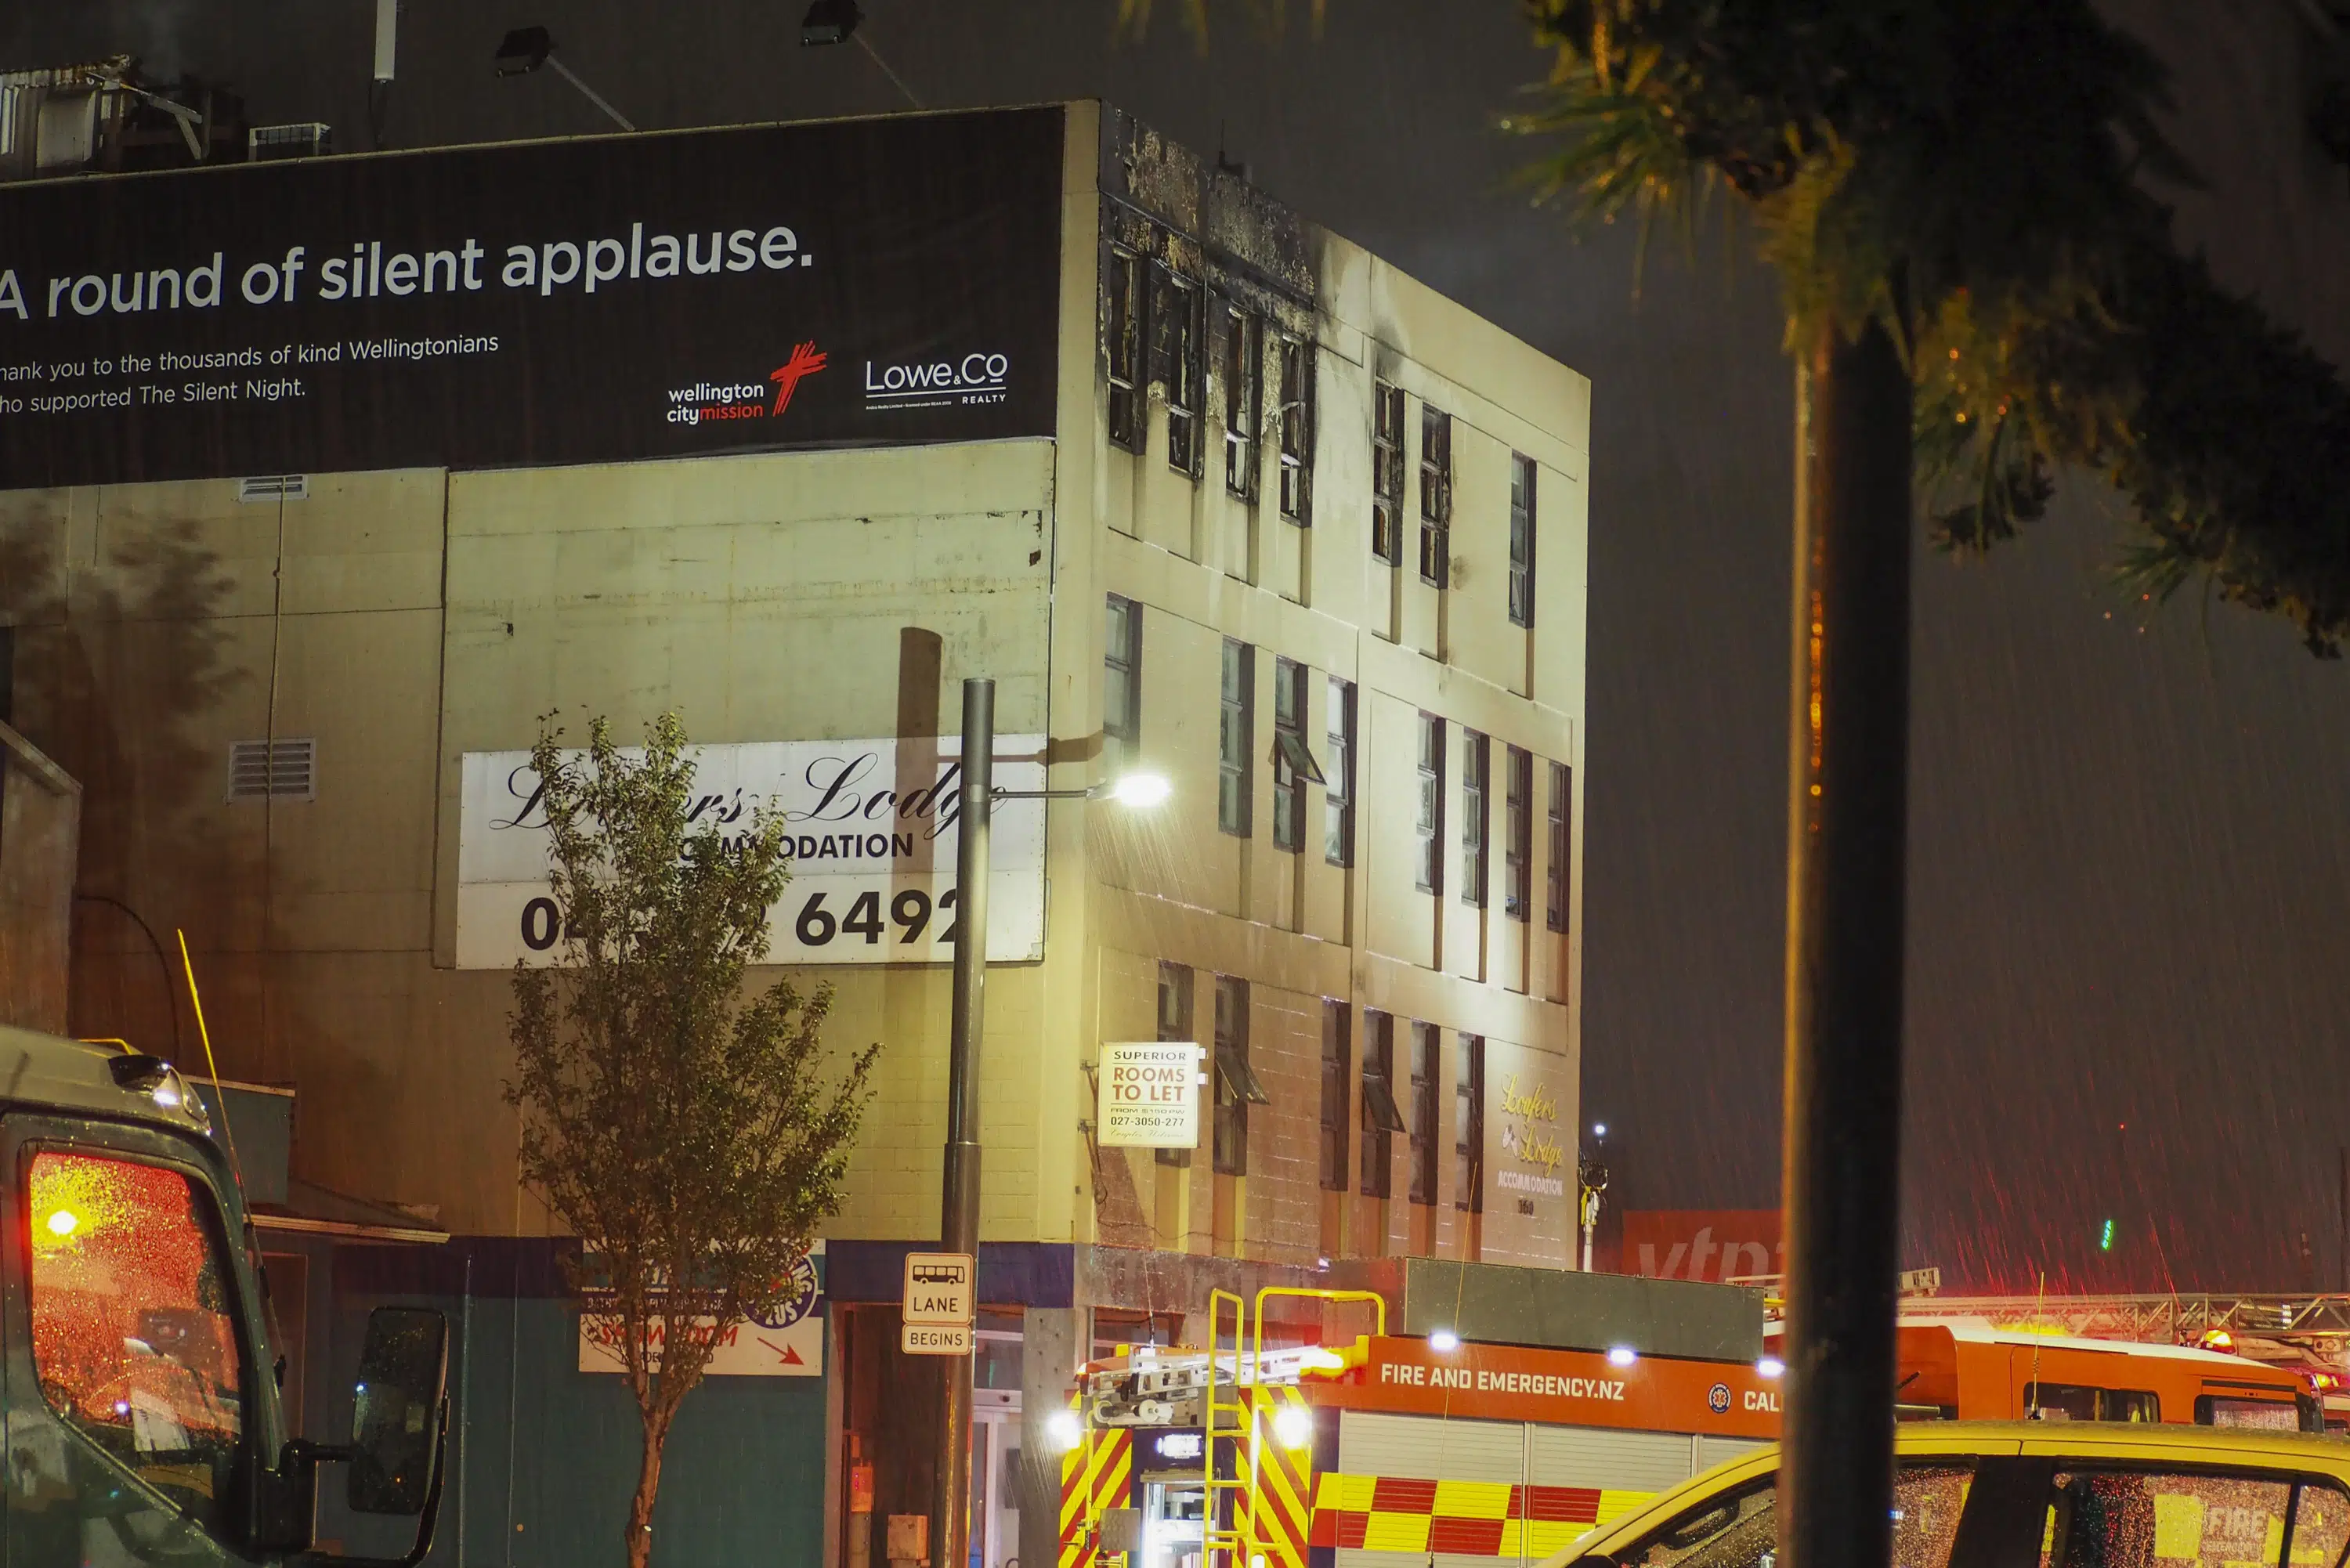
[939,1288]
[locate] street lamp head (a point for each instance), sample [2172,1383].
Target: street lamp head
[1141,790]
[523,51]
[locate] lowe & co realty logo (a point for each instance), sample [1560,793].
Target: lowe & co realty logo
[714,400]
[976,378]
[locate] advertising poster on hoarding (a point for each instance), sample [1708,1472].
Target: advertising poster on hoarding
[1149,1095]
[787,1343]
[873,827]
[592,300]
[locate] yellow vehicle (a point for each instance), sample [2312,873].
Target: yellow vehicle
[2031,1494]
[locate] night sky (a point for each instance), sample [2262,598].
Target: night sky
[2129,930]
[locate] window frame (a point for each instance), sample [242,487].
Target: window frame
[1179,980]
[1178,318]
[1296,429]
[1127,342]
[1469,1125]
[1428,875]
[1562,845]
[1517,833]
[1235,1080]
[1236,740]
[1294,767]
[1435,496]
[1337,1081]
[1387,472]
[1123,663]
[1521,540]
[1243,399]
[1476,824]
[1426,1084]
[31,1135]
[1380,1120]
[1338,788]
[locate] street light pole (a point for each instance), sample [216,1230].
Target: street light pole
[959,1201]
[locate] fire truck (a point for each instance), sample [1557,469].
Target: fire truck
[1393,1449]
[1246,1457]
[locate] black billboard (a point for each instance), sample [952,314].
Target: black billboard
[671,295]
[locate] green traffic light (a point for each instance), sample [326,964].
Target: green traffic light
[2106,1238]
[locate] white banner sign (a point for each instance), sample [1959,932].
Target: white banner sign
[1147,1094]
[790,1343]
[873,827]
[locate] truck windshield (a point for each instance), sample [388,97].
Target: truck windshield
[133,1332]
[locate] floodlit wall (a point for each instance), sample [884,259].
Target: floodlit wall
[398,620]
[1208,562]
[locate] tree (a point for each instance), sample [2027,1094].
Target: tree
[1979,287]
[687,1135]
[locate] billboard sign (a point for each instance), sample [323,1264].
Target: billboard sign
[873,825]
[1714,1244]
[586,300]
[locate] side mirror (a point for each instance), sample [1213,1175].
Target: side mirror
[396,1419]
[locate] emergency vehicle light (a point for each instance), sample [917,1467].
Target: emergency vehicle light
[1065,1430]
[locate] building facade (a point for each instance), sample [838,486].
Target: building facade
[1207,491]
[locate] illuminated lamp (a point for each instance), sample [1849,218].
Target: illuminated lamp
[1622,1355]
[1066,1430]
[64,1222]
[1443,1341]
[1292,1428]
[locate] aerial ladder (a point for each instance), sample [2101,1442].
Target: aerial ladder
[1255,1429]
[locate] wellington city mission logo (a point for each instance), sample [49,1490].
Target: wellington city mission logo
[714,400]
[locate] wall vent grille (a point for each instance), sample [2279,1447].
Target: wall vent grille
[272,770]
[274,487]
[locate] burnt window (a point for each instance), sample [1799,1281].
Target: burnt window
[1236,1084]
[1294,767]
[1243,374]
[1122,684]
[1521,540]
[1562,791]
[1435,496]
[1381,1122]
[1127,403]
[1469,1127]
[1518,835]
[1427,1069]
[1174,1025]
[1236,732]
[1429,874]
[1387,472]
[1338,789]
[1476,757]
[1336,1018]
[1296,424]
[1177,318]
